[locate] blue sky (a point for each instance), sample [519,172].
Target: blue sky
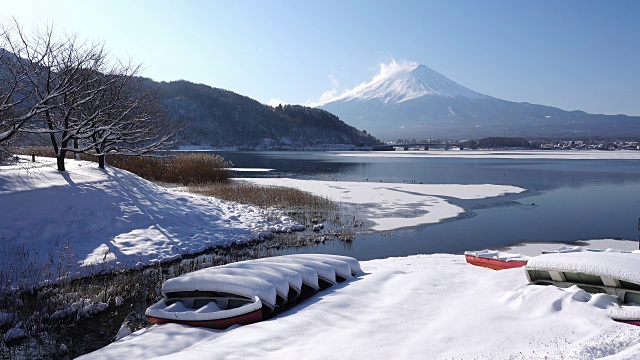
[570,54]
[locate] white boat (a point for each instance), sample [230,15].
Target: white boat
[247,291]
[341,268]
[606,272]
[293,278]
[325,273]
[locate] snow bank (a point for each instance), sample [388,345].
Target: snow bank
[91,220]
[392,206]
[427,306]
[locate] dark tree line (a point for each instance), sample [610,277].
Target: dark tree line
[219,117]
[498,143]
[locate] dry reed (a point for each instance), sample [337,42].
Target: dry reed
[185,169]
[265,196]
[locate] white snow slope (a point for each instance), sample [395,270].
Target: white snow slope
[417,307]
[88,216]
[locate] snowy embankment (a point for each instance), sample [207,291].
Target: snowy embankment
[425,306]
[391,206]
[98,220]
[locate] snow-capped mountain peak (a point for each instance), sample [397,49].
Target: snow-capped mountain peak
[396,83]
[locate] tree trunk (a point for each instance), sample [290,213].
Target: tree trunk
[101,161]
[60,159]
[76,155]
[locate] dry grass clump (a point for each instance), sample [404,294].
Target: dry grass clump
[185,169]
[44,151]
[265,196]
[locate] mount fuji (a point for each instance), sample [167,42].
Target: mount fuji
[412,101]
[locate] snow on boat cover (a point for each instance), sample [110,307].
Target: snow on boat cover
[247,291]
[615,265]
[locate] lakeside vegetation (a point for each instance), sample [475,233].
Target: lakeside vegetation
[77,313]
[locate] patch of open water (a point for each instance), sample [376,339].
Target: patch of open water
[566,199]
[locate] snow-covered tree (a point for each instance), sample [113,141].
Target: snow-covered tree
[72,92]
[126,117]
[20,61]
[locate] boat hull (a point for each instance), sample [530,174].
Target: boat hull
[630,322]
[223,323]
[495,264]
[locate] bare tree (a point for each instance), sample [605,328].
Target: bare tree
[46,83]
[126,116]
[18,105]
[69,90]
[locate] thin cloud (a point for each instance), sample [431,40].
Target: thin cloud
[334,81]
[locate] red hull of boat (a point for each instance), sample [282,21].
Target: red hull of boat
[495,264]
[630,322]
[249,318]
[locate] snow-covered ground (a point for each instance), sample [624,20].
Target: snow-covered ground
[392,206]
[417,307]
[510,154]
[425,306]
[112,218]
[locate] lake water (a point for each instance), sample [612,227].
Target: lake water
[567,200]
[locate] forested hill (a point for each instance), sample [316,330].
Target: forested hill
[221,118]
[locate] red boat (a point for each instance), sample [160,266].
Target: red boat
[631,322]
[495,260]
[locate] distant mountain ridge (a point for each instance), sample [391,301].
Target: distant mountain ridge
[414,101]
[221,118]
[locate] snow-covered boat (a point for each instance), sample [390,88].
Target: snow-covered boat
[496,260]
[326,274]
[606,272]
[309,276]
[248,291]
[293,278]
